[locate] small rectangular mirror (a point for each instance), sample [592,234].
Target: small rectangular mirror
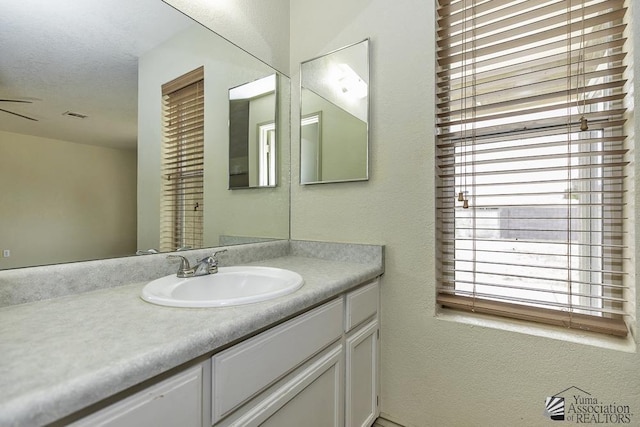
[334,126]
[252,134]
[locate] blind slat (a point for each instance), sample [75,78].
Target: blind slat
[542,28]
[615,327]
[188,79]
[187,97]
[451,256]
[597,121]
[544,90]
[540,303]
[547,57]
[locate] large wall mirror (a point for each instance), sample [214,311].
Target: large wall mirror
[334,135]
[81,130]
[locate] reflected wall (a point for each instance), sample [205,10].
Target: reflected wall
[334,109]
[227,213]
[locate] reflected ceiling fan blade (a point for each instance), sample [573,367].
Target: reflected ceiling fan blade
[16,100]
[19,115]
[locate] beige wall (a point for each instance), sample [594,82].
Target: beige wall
[62,201]
[435,372]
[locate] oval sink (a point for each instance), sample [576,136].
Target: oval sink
[229,286]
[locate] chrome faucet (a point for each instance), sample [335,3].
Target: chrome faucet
[207,265]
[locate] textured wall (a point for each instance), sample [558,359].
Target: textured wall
[259,27]
[434,372]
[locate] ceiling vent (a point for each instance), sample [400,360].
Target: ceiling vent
[75,115]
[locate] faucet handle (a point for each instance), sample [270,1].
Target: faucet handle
[208,264]
[185,269]
[211,259]
[218,252]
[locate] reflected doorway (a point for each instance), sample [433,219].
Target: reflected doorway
[310,149]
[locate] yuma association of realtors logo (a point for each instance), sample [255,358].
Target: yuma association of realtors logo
[578,406]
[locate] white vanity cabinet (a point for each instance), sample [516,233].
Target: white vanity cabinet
[318,369]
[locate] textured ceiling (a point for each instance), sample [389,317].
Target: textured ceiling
[78,56]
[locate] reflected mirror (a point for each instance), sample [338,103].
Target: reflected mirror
[252,134]
[81,131]
[334,127]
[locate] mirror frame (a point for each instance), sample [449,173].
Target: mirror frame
[368,109]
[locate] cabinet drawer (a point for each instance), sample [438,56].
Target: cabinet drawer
[361,304]
[243,370]
[176,401]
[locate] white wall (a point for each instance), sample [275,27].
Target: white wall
[62,201]
[226,212]
[435,372]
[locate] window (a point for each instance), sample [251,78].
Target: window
[531,161]
[183,162]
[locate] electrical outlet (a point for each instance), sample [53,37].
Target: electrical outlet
[6,253]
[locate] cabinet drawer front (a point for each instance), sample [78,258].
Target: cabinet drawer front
[245,369]
[176,401]
[362,304]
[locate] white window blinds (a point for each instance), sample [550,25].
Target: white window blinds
[531,158]
[182,205]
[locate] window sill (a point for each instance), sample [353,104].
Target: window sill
[627,344]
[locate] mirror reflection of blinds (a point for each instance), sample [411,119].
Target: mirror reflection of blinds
[530,115]
[182,204]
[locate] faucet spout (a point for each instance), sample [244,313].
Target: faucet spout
[207,265]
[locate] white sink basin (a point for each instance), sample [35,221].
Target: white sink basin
[229,286]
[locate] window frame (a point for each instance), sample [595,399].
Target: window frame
[456,44]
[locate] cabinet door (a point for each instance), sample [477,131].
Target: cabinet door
[312,398]
[361,376]
[176,401]
[242,371]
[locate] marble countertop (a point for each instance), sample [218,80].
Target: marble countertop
[60,355]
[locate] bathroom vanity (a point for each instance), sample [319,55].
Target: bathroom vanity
[106,357]
[317,369]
